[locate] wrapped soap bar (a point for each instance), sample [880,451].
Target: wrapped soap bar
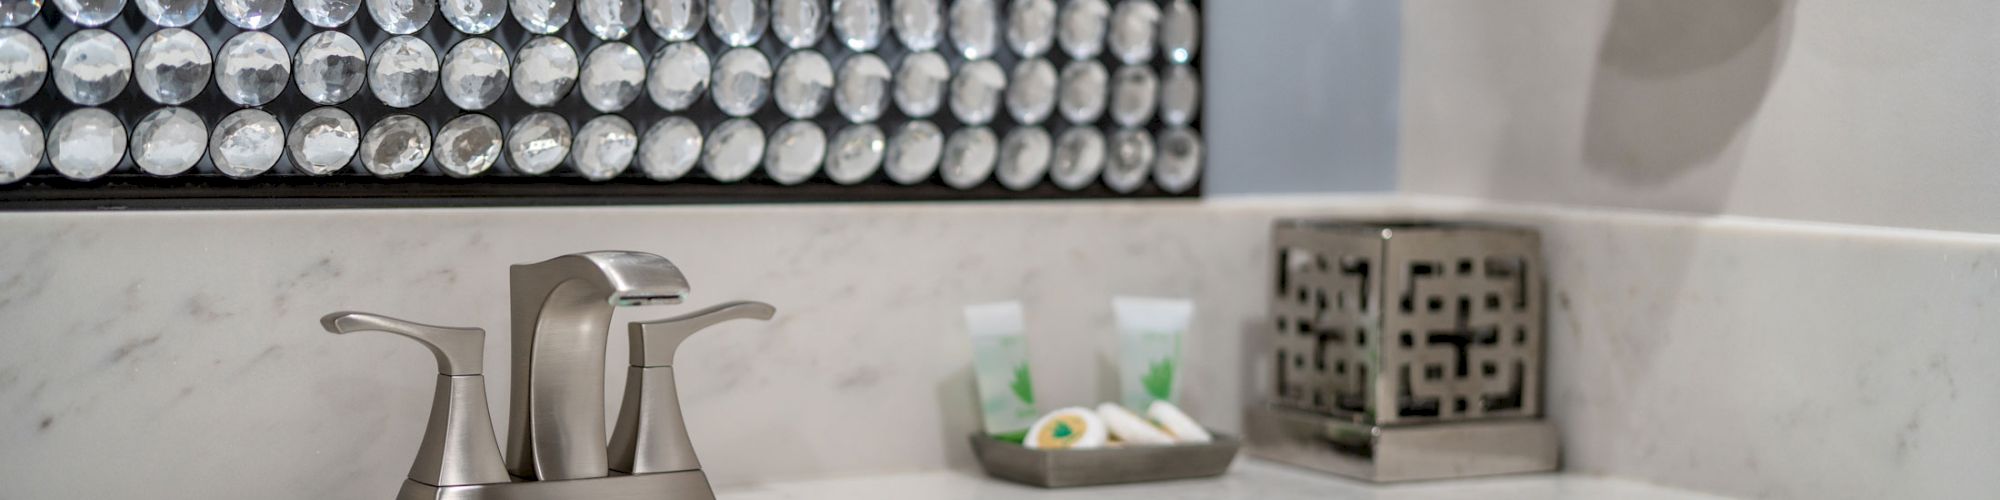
[1129,428]
[1068,428]
[1178,423]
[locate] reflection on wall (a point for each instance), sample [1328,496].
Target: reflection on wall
[1675,82]
[1874,113]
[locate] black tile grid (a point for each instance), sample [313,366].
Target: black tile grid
[286,187]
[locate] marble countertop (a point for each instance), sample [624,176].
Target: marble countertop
[1247,479]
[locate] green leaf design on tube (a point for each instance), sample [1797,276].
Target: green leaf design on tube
[1160,379]
[1023,388]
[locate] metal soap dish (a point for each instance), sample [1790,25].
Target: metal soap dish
[1131,464]
[1404,351]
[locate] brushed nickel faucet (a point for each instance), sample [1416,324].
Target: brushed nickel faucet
[562,319]
[556,447]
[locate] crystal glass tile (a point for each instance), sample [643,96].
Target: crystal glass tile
[679,76]
[795,152]
[862,91]
[1134,28]
[1180,31]
[670,149]
[1080,27]
[1024,158]
[172,66]
[1135,92]
[331,67]
[1179,160]
[733,150]
[742,81]
[969,156]
[855,154]
[26,66]
[403,71]
[91,13]
[609,19]
[476,16]
[475,73]
[171,13]
[974,76]
[252,68]
[21,145]
[400,17]
[538,143]
[1031,91]
[246,143]
[91,67]
[604,147]
[804,84]
[86,144]
[250,14]
[18,12]
[975,28]
[1031,26]
[323,141]
[739,23]
[168,141]
[468,145]
[544,71]
[914,152]
[919,23]
[1079,156]
[395,146]
[613,76]
[1082,95]
[977,91]
[798,23]
[858,24]
[1180,95]
[676,20]
[541,17]
[920,83]
[327,13]
[1130,160]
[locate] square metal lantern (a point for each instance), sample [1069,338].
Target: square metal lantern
[1405,351]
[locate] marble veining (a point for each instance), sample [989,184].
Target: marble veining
[177,354]
[1771,359]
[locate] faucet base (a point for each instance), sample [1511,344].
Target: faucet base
[684,485]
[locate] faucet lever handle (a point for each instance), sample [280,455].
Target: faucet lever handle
[458,447]
[654,342]
[651,434]
[460,351]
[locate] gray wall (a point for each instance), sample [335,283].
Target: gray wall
[1301,95]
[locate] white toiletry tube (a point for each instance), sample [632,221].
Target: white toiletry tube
[1000,368]
[1150,332]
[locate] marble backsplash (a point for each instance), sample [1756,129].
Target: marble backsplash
[177,354]
[180,352]
[1770,359]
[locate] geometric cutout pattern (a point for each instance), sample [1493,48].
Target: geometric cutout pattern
[1407,323]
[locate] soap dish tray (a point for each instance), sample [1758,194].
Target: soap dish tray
[1131,464]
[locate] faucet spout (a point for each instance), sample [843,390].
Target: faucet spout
[561,322]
